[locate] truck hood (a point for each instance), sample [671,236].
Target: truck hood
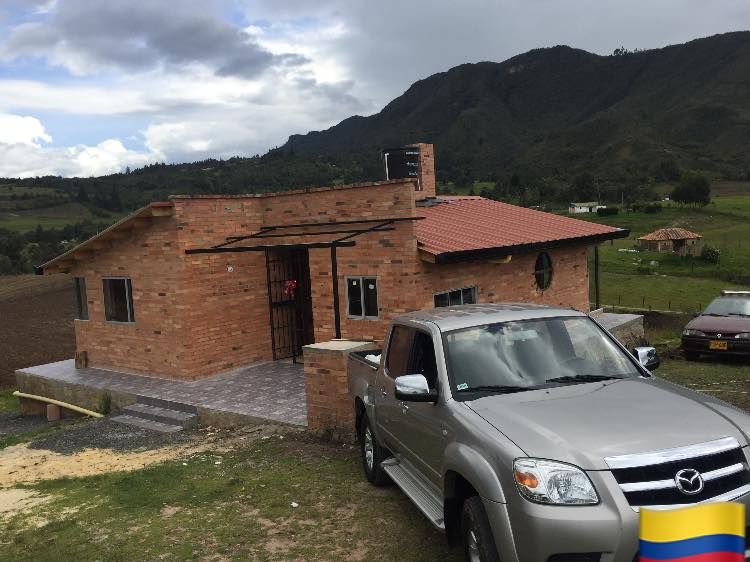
[583,423]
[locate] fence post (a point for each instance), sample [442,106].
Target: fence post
[643,302]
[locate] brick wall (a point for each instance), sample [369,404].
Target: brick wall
[513,281]
[329,409]
[154,343]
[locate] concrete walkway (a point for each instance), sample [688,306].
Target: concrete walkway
[272,390]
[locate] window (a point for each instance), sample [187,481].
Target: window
[118,299]
[362,297]
[82,307]
[423,358]
[397,362]
[543,271]
[453,297]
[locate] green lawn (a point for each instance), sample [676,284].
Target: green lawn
[234,506]
[8,402]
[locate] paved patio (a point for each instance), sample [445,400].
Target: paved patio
[272,390]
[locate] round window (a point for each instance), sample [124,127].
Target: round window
[543,271]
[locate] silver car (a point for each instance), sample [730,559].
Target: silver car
[530,434]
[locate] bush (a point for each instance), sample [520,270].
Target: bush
[652,208]
[607,211]
[710,254]
[693,189]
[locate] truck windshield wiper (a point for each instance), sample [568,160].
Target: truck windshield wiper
[711,314]
[499,388]
[737,314]
[584,378]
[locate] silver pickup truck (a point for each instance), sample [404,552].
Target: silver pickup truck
[530,434]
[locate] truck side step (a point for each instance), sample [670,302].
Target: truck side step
[416,491]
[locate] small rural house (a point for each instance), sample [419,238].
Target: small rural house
[677,240]
[588,207]
[199,285]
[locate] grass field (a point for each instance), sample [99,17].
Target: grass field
[50,217]
[229,506]
[673,282]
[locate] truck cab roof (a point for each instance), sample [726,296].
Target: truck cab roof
[466,316]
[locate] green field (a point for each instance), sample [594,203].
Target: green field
[669,282]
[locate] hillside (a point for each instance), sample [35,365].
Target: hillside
[561,111]
[548,126]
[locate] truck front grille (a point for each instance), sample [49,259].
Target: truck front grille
[650,479]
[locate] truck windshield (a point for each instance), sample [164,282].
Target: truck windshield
[530,354]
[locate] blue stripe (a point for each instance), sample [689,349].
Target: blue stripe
[690,547]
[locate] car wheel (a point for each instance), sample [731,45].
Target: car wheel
[479,544]
[372,454]
[691,355]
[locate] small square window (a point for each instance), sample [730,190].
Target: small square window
[118,299]
[455,297]
[362,297]
[82,307]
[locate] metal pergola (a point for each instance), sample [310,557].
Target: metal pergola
[349,229]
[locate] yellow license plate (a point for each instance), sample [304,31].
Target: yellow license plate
[717,345]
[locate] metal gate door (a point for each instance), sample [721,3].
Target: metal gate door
[289,301]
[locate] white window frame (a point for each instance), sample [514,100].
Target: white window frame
[128,299]
[461,289]
[361,279]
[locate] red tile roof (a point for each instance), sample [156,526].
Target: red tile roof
[465,225]
[670,234]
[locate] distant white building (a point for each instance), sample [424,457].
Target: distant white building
[589,207]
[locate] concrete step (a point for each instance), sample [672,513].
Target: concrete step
[147,424]
[166,404]
[164,415]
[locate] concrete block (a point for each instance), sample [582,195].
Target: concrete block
[53,412]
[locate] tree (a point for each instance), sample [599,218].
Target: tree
[82,196]
[693,189]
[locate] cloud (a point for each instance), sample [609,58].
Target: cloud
[15,129]
[138,35]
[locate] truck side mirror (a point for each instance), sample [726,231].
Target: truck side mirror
[414,388]
[648,357]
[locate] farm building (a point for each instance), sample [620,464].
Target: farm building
[677,240]
[588,207]
[199,285]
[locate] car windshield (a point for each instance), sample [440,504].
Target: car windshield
[529,354]
[729,306]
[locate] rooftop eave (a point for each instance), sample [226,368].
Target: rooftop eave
[103,240]
[503,251]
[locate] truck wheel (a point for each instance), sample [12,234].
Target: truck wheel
[372,454]
[478,542]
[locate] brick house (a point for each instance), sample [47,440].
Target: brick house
[677,240]
[198,285]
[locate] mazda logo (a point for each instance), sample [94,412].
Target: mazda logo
[718,336]
[689,481]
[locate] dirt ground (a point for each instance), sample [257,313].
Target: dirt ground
[36,322]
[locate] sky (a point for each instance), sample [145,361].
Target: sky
[91,87]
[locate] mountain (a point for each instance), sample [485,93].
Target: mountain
[561,111]
[548,125]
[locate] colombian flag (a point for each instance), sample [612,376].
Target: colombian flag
[713,532]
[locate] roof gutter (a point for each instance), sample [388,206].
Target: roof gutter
[501,251]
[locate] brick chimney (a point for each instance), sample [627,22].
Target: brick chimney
[425,170]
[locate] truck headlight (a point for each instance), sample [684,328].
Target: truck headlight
[689,332]
[552,482]
[743,336]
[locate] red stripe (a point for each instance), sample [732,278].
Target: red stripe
[705,557]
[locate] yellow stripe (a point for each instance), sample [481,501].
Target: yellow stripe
[696,521]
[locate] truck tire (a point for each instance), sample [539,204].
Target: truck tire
[476,534]
[372,454]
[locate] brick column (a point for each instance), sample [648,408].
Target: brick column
[330,410]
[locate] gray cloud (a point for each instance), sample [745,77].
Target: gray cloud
[141,34]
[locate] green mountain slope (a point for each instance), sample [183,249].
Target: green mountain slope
[561,111]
